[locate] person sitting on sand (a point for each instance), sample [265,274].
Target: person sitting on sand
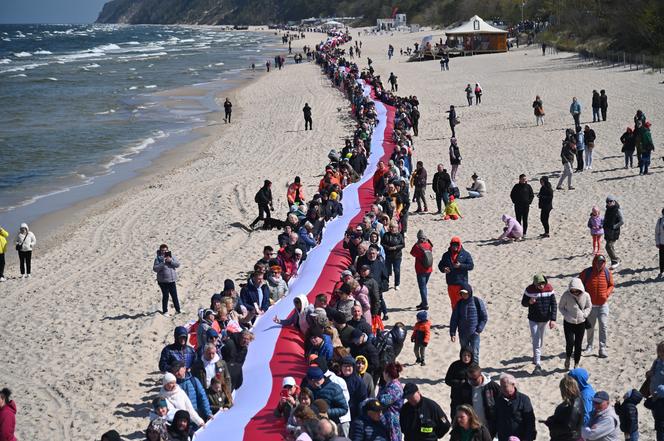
[512,229]
[478,188]
[452,210]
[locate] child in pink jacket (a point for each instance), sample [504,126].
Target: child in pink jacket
[596,231]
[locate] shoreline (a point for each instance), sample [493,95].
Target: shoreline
[170,156]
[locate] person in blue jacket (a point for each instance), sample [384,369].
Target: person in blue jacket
[581,377]
[194,390]
[256,294]
[324,389]
[178,351]
[320,344]
[469,317]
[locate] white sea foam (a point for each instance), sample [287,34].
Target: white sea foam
[133,88]
[52,79]
[40,52]
[18,76]
[106,47]
[23,68]
[5,61]
[22,54]
[108,112]
[151,86]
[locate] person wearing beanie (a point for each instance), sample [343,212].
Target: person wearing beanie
[323,388]
[422,251]
[165,265]
[575,306]
[421,336]
[177,399]
[264,201]
[452,210]
[421,418]
[628,413]
[320,344]
[178,351]
[613,220]
[357,389]
[455,263]
[540,299]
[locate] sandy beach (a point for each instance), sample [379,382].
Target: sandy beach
[83,336]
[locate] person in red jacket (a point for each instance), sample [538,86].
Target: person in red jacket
[598,282]
[423,266]
[421,336]
[7,416]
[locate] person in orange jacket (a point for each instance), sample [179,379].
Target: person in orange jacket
[598,282]
[295,193]
[421,335]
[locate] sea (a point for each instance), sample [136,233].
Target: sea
[85,107]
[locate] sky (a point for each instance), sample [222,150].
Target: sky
[50,11]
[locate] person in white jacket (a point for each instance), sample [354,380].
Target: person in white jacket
[25,242]
[177,399]
[659,241]
[575,306]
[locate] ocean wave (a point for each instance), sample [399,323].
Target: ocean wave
[106,47]
[133,88]
[151,86]
[22,54]
[132,43]
[18,76]
[41,52]
[5,61]
[52,79]
[108,112]
[23,68]
[131,151]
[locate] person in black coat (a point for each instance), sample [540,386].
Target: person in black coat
[514,412]
[441,185]
[603,103]
[306,110]
[393,242]
[567,420]
[629,414]
[357,390]
[362,346]
[457,377]
[264,200]
[378,273]
[545,203]
[234,353]
[522,196]
[421,418]
[452,118]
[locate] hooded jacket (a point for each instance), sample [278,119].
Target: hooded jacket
[4,234]
[574,309]
[628,413]
[177,399]
[366,429]
[581,376]
[469,316]
[613,220]
[250,296]
[513,228]
[27,241]
[298,319]
[544,308]
[489,393]
[295,193]
[175,352]
[598,283]
[165,271]
[357,391]
[8,421]
[174,433]
[456,276]
[603,426]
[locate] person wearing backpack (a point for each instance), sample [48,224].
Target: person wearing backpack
[263,199]
[598,282]
[422,251]
[455,264]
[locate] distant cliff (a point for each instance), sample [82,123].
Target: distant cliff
[212,12]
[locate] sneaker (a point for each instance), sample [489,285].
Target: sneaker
[2,279]
[615,265]
[567,363]
[661,275]
[385,317]
[418,360]
[537,370]
[588,348]
[28,276]
[396,288]
[22,276]
[166,314]
[559,188]
[422,363]
[571,188]
[603,355]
